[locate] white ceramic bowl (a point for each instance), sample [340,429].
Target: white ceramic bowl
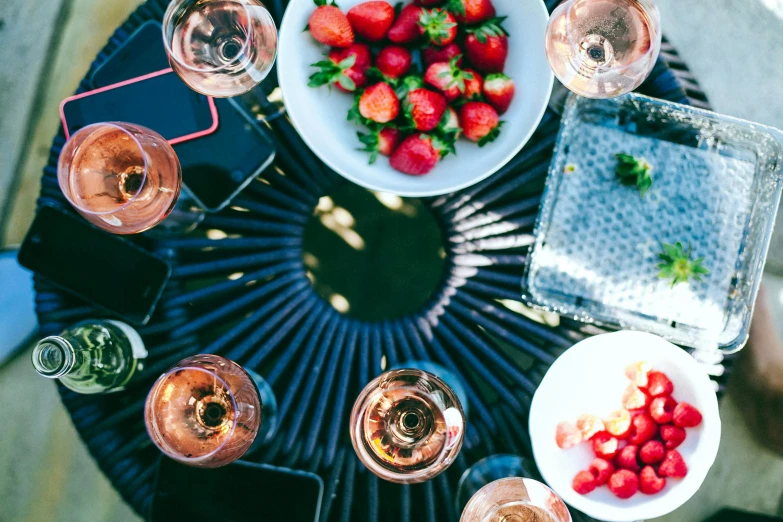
[320,114]
[590,378]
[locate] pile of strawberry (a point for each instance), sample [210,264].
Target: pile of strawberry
[634,446]
[417,75]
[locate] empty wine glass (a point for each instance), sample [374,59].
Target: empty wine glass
[407,426]
[206,411]
[121,177]
[603,48]
[220,48]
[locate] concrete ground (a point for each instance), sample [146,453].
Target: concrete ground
[732,46]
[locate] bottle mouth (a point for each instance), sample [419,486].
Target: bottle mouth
[53,357]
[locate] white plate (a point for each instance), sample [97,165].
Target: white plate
[590,378]
[320,114]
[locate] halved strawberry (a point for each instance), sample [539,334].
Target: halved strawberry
[417,155]
[590,425]
[605,445]
[473,86]
[448,78]
[480,122]
[393,61]
[499,90]
[486,46]
[634,398]
[659,385]
[649,481]
[672,436]
[329,25]
[643,428]
[383,141]
[406,28]
[439,26]
[371,20]
[637,372]
[471,11]
[662,409]
[686,416]
[673,465]
[618,423]
[584,483]
[567,435]
[601,469]
[346,69]
[424,108]
[433,54]
[379,103]
[627,458]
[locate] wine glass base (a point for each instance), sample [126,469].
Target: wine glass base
[559,97]
[444,374]
[490,469]
[268,410]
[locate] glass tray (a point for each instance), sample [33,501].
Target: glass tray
[716,188]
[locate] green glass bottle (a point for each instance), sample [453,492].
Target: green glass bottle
[93,356]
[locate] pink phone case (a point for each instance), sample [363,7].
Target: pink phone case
[174,141]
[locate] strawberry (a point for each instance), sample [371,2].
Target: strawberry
[417,155]
[371,20]
[673,465]
[433,54]
[626,458]
[652,452]
[658,384]
[643,428]
[346,69]
[393,61]
[584,483]
[589,425]
[686,416]
[406,28]
[637,372]
[473,86]
[329,26]
[471,11]
[649,481]
[449,127]
[383,141]
[499,90]
[634,398]
[486,47]
[601,470]
[624,483]
[448,78]
[618,423]
[424,108]
[661,409]
[479,122]
[605,445]
[379,103]
[439,26]
[672,436]
[567,435]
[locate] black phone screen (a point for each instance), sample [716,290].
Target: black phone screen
[239,492]
[142,53]
[94,265]
[162,103]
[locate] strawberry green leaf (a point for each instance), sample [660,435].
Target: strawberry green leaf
[676,264]
[346,83]
[634,171]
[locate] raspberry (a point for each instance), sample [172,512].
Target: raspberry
[634,398]
[643,428]
[624,483]
[637,372]
[567,435]
[673,465]
[659,385]
[686,416]
[649,481]
[626,458]
[618,423]
[604,445]
[584,483]
[589,425]
[661,409]
[672,436]
[601,469]
[652,452]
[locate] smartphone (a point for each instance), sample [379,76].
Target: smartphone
[215,168]
[239,492]
[159,101]
[101,268]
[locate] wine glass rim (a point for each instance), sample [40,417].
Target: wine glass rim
[646,5]
[168,24]
[154,424]
[122,127]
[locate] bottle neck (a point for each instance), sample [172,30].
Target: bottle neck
[54,357]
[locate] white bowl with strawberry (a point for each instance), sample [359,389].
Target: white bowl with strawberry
[449,90]
[625,426]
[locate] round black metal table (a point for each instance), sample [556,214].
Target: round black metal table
[245,294]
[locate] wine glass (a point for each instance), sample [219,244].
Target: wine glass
[500,489]
[121,177]
[407,426]
[206,411]
[603,48]
[220,48]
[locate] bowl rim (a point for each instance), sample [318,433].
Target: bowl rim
[286,26]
